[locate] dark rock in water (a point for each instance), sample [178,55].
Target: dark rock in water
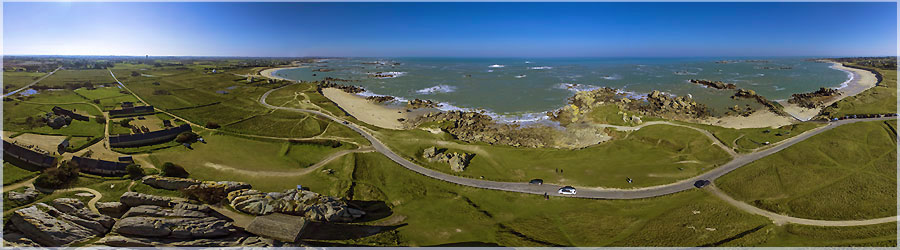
[714,84]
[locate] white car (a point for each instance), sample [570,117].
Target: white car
[567,190]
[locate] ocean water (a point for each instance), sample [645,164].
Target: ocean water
[521,89]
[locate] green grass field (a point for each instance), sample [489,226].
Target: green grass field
[16,113]
[880,99]
[13,80]
[62,77]
[246,154]
[848,172]
[282,123]
[13,174]
[109,97]
[653,155]
[747,139]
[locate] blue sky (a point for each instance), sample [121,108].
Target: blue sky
[451,29]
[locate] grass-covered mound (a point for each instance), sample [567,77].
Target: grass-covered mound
[653,155]
[846,173]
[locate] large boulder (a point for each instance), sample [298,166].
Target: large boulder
[180,227]
[50,227]
[168,183]
[26,196]
[133,199]
[86,217]
[294,202]
[113,209]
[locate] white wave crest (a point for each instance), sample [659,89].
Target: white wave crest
[496,66]
[392,74]
[574,87]
[541,67]
[520,76]
[437,89]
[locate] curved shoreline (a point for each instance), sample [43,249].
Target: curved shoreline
[758,119]
[860,80]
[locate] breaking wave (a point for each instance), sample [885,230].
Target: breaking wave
[541,67]
[496,66]
[437,89]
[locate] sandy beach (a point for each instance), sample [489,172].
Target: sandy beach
[862,80]
[759,119]
[372,113]
[270,73]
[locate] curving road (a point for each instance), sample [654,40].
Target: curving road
[583,192]
[610,193]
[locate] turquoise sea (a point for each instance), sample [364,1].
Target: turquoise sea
[523,89]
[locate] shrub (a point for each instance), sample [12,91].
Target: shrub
[96,101]
[135,171]
[100,120]
[135,73]
[56,178]
[212,125]
[125,123]
[186,137]
[171,170]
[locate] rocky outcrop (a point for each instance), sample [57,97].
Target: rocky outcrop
[294,202]
[26,196]
[477,127]
[662,105]
[213,192]
[457,161]
[112,209]
[133,199]
[66,222]
[421,104]
[655,103]
[346,88]
[714,84]
[203,227]
[235,240]
[168,183]
[750,94]
[813,99]
[380,99]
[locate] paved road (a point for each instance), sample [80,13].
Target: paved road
[32,83]
[583,192]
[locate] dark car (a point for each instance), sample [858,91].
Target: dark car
[701,183]
[345,122]
[536,182]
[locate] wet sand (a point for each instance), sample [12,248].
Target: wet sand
[862,80]
[369,112]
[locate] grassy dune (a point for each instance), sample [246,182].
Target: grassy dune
[880,99]
[653,155]
[846,173]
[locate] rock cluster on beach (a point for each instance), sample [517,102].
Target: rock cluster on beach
[346,88]
[308,204]
[380,99]
[477,127]
[750,94]
[457,161]
[813,99]
[714,84]
[421,104]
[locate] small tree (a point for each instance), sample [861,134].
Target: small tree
[186,137]
[56,178]
[135,73]
[125,123]
[100,120]
[135,171]
[212,125]
[171,170]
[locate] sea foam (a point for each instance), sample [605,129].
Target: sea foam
[496,66]
[437,89]
[541,67]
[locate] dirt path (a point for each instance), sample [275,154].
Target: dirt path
[25,183]
[297,172]
[780,219]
